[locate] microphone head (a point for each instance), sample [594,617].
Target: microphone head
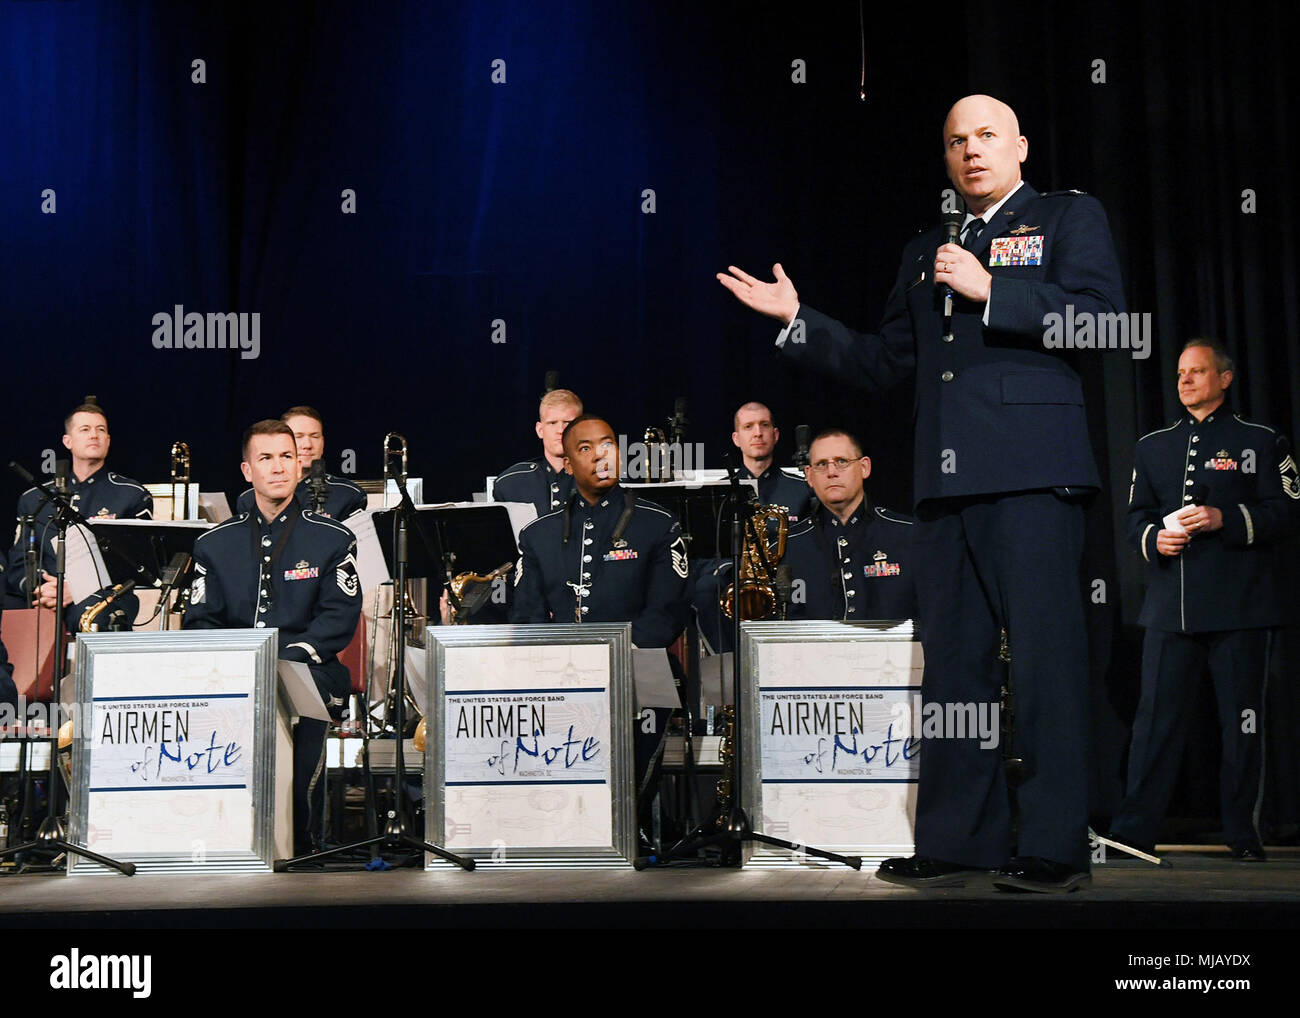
[952,226]
[802,441]
[679,410]
[318,470]
[552,382]
[61,470]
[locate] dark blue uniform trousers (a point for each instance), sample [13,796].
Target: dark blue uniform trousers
[1171,662]
[982,563]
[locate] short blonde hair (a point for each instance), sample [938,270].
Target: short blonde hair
[559,398]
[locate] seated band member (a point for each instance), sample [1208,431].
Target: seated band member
[342,497]
[96,494]
[607,556]
[543,481]
[849,560]
[756,436]
[281,566]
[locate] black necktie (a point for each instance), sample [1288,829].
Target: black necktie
[973,233]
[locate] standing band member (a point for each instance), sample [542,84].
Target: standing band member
[543,481]
[280,566]
[342,497]
[1002,461]
[1212,495]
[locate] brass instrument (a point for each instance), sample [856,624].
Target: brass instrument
[758,564]
[88,622]
[180,481]
[758,600]
[479,593]
[394,445]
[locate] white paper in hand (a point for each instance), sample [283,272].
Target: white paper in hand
[1171,521]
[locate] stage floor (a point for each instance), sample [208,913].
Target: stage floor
[1203,889]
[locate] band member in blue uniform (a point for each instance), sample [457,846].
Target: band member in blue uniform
[1212,495]
[756,435]
[97,493]
[1001,460]
[848,560]
[607,556]
[543,481]
[342,498]
[281,566]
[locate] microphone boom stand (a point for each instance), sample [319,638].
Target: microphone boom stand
[737,829]
[53,832]
[397,831]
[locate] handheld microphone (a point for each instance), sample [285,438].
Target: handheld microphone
[802,441]
[951,231]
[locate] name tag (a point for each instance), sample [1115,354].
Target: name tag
[1010,251]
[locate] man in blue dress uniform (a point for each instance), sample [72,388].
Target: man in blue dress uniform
[342,498]
[849,560]
[97,494]
[1212,495]
[1001,460]
[607,556]
[543,481]
[279,566]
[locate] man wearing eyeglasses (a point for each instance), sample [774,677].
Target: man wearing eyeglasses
[850,560]
[281,566]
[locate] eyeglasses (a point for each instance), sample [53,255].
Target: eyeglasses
[821,466]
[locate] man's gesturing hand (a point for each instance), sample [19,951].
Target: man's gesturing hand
[777,300]
[961,270]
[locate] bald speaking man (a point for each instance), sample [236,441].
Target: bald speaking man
[1002,462]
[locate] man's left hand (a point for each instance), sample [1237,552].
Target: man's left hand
[1200,519]
[956,267]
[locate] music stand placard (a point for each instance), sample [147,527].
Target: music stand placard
[832,738]
[528,764]
[181,761]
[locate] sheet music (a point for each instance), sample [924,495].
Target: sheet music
[371,567]
[84,569]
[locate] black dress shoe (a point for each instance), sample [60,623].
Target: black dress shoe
[1030,873]
[1248,853]
[922,871]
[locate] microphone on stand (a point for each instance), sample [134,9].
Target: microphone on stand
[61,470]
[552,382]
[317,486]
[802,441]
[784,584]
[951,231]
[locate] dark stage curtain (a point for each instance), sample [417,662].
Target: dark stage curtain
[525,201]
